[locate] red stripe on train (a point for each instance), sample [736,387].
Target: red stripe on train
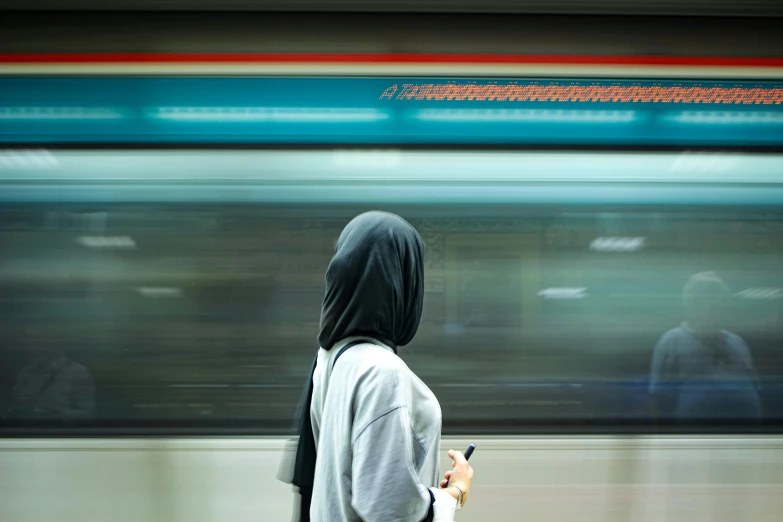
[337,58]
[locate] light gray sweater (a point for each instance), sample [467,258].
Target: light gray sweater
[377,432]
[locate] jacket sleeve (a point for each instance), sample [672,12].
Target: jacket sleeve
[385,481]
[385,484]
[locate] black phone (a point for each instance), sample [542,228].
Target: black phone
[469,451]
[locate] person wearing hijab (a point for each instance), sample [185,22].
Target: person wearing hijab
[699,370]
[369,429]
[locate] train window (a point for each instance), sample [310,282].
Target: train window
[204,317]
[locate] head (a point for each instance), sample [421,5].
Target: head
[706,299]
[375,282]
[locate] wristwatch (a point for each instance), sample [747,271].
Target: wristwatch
[459,500]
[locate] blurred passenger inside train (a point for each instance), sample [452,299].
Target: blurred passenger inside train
[701,370]
[377,431]
[51,386]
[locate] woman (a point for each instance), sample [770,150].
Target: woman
[374,425]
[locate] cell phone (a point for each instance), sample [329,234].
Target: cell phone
[469,451]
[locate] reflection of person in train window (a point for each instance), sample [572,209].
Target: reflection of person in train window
[699,370]
[52,386]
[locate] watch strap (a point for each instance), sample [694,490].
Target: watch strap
[461,495]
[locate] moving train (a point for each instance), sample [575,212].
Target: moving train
[165,235]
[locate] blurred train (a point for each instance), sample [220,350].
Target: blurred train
[166,222]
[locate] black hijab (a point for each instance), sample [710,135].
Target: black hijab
[374,283]
[374,288]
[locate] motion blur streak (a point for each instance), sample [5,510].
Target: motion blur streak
[152,268]
[559,116]
[269,114]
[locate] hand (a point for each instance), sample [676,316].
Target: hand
[460,476]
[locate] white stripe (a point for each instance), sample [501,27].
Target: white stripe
[267,114]
[59,113]
[525,115]
[418,70]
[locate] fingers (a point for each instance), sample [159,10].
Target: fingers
[447,477]
[457,457]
